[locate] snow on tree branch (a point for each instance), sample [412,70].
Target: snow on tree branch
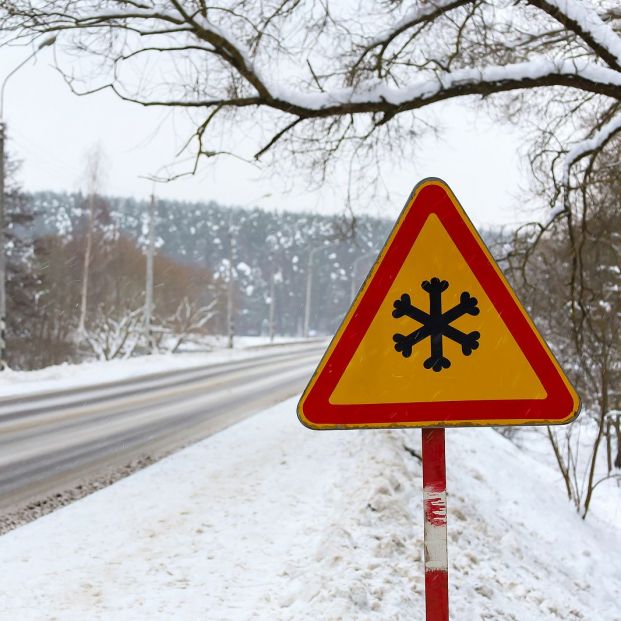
[423,13]
[587,24]
[589,146]
[326,81]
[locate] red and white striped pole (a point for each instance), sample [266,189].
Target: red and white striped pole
[434,503]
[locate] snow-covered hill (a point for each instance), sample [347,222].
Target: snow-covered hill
[270,521]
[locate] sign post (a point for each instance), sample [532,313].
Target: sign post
[435,535]
[436,338]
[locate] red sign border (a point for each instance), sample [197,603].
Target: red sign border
[433,196]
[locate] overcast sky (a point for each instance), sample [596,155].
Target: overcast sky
[51,129]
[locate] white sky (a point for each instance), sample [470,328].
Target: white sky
[51,129]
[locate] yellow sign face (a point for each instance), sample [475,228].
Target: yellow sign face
[497,369]
[436,337]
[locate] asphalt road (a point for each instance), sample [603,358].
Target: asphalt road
[53,441]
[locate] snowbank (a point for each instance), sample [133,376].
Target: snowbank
[270,521]
[63,376]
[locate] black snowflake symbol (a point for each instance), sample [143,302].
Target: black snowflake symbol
[436,324]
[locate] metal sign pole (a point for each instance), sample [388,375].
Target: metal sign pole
[434,503]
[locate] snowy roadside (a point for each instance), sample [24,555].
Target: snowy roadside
[270,521]
[606,501]
[63,376]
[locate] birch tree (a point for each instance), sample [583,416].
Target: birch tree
[93,176]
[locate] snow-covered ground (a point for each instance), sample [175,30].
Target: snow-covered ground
[271,521]
[606,500]
[63,376]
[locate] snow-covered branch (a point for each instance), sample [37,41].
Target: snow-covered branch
[329,76]
[584,21]
[114,337]
[379,97]
[589,146]
[423,13]
[189,319]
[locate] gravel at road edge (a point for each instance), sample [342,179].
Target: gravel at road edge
[20,515]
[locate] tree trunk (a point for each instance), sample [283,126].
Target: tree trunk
[598,438]
[617,425]
[3,363]
[86,266]
[561,465]
[608,446]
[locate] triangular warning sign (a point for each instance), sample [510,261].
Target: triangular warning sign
[436,337]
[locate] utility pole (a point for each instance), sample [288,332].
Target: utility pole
[230,319]
[273,245]
[3,359]
[354,273]
[272,302]
[309,289]
[230,293]
[3,362]
[148,305]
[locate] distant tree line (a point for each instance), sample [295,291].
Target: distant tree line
[272,259]
[293,273]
